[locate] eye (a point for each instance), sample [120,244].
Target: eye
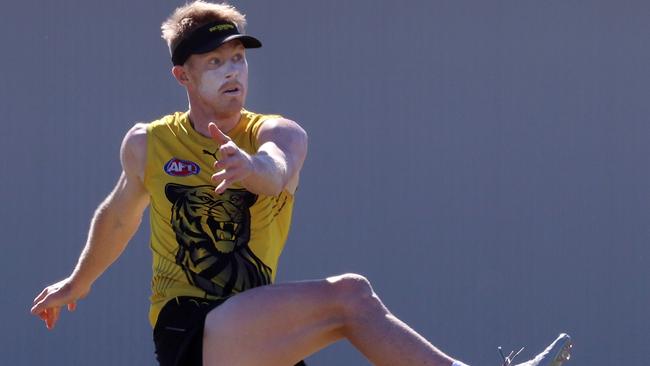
[238,57]
[214,61]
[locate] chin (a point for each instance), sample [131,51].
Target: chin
[228,109]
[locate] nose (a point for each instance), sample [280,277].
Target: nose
[233,70]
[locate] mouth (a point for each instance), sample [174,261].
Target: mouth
[232,90]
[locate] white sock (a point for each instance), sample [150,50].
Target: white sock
[458,363]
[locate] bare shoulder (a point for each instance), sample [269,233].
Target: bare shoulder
[281,124]
[133,152]
[137,135]
[282,128]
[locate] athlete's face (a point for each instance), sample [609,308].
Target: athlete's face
[219,79]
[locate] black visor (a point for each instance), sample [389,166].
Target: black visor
[208,37]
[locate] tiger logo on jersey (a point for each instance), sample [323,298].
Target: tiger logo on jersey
[213,232]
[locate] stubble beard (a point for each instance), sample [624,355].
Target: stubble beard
[226,107]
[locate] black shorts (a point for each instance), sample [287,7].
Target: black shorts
[178,334]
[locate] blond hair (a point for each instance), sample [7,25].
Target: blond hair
[192,15]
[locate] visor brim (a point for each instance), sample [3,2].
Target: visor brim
[246,40]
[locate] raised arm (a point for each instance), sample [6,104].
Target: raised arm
[273,168]
[114,223]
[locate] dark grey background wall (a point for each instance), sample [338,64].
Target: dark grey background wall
[484,163]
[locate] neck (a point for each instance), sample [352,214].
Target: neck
[201,116]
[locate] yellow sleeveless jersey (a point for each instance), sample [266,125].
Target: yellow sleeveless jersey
[204,244]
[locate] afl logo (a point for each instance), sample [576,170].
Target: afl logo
[181,168]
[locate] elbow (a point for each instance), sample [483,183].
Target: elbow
[110,216]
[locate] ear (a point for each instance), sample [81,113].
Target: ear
[180,74]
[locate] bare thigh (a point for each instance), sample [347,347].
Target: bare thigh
[272,325]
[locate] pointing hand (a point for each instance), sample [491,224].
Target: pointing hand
[235,164]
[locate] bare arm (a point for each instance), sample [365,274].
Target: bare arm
[273,168]
[114,223]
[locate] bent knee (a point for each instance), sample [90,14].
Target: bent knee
[354,293]
[351,284]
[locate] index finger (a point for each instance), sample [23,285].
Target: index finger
[38,307]
[51,300]
[40,296]
[216,134]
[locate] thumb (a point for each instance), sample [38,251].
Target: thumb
[217,135]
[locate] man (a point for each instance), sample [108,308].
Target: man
[221,181]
